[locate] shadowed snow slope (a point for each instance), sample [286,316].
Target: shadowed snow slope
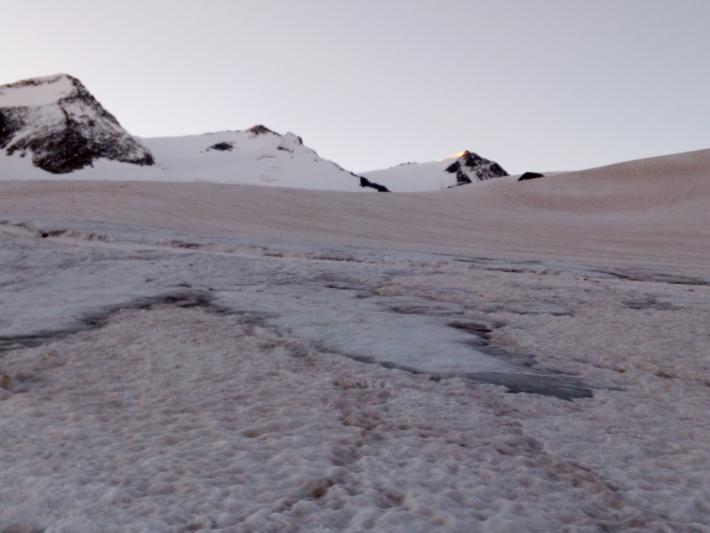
[652,212]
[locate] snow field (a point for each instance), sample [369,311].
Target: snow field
[249,414]
[186,357]
[175,419]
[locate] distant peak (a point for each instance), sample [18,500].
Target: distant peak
[468,158]
[260,129]
[463,154]
[469,166]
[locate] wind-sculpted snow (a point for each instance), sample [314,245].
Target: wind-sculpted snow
[187,381]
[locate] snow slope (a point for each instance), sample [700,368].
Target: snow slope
[461,169]
[616,214]
[257,156]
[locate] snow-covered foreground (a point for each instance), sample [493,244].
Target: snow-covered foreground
[509,357]
[169,385]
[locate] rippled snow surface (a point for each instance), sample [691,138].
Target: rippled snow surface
[154,381]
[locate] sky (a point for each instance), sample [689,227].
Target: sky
[533,84]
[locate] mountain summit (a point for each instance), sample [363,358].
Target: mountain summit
[63,128]
[470,167]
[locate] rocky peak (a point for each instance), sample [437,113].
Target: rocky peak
[57,121]
[470,167]
[260,129]
[222,146]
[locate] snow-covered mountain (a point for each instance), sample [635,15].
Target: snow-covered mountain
[53,128]
[463,168]
[256,156]
[58,125]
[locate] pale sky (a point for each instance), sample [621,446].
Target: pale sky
[533,84]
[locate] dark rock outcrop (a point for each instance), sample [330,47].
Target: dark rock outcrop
[66,133]
[222,147]
[364,182]
[260,129]
[530,176]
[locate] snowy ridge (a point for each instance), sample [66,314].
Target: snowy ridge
[463,168]
[62,126]
[256,156]
[52,127]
